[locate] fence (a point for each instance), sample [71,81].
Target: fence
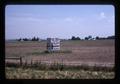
[15,58]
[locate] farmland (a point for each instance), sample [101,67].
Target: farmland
[87,52]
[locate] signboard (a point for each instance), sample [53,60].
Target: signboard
[53,44]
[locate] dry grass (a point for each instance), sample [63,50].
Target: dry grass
[59,66]
[20,73]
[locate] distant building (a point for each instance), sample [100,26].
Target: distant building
[53,44]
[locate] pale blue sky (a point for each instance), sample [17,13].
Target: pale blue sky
[62,21]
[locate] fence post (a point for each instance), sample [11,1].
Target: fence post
[31,62]
[20,61]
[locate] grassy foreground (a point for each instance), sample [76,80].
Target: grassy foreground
[32,73]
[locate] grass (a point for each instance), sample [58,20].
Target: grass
[60,51]
[30,73]
[60,66]
[40,70]
[52,52]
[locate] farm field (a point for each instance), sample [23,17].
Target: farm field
[91,53]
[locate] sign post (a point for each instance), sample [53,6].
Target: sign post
[53,44]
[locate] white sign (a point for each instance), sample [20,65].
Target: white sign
[53,44]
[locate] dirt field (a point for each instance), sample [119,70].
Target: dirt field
[93,52]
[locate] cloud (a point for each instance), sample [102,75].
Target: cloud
[68,19]
[102,15]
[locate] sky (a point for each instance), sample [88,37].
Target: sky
[59,21]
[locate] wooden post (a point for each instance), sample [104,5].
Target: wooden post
[31,62]
[20,61]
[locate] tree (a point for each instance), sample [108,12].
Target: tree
[89,37]
[111,37]
[77,38]
[25,39]
[35,39]
[86,38]
[97,38]
[73,38]
[19,39]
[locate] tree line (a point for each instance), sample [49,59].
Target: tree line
[28,39]
[91,38]
[72,38]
